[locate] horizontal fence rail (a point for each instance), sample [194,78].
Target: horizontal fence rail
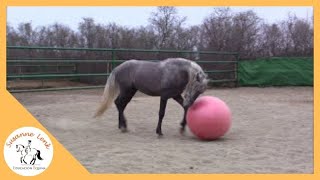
[73,65]
[119,50]
[96,61]
[91,74]
[55,75]
[55,89]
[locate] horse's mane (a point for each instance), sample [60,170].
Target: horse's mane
[194,65]
[194,69]
[178,60]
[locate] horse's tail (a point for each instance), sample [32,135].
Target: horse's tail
[111,90]
[38,155]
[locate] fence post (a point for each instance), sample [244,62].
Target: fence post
[236,68]
[113,59]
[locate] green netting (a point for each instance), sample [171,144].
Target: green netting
[276,72]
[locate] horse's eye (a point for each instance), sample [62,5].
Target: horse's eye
[198,77]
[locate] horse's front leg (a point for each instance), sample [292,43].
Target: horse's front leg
[183,123]
[163,104]
[24,159]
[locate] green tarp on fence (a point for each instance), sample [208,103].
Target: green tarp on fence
[276,72]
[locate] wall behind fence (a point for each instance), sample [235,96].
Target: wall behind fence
[278,71]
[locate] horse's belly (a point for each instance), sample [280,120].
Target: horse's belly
[149,88]
[28,158]
[150,93]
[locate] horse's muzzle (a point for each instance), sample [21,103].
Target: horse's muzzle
[191,100]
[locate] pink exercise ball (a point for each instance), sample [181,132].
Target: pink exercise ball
[209,118]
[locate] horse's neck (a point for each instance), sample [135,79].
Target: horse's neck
[20,149]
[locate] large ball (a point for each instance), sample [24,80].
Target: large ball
[209,118]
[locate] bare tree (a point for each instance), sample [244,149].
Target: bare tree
[271,40]
[12,35]
[26,34]
[216,30]
[298,36]
[301,37]
[145,38]
[245,32]
[165,23]
[87,30]
[222,30]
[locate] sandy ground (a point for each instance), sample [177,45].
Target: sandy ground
[272,132]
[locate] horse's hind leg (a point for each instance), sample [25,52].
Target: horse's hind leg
[121,102]
[183,123]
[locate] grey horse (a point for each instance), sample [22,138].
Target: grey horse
[177,78]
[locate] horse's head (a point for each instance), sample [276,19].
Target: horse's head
[19,147]
[197,85]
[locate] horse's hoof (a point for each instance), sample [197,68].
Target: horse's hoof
[160,135]
[124,130]
[182,131]
[159,132]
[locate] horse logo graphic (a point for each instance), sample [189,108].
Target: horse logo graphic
[28,152]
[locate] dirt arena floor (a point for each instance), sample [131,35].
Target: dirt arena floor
[272,132]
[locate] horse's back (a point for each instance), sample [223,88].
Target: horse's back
[154,78]
[141,75]
[160,78]
[147,77]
